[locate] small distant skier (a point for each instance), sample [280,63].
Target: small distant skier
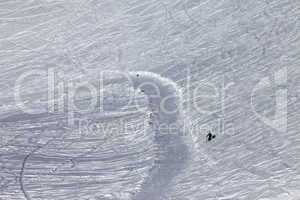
[151,115]
[151,118]
[210,136]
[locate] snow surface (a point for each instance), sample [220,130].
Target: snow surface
[229,66]
[166,121]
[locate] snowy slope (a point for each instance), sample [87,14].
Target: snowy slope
[231,67]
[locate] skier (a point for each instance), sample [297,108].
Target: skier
[210,136]
[151,118]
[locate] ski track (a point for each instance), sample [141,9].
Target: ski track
[181,44]
[164,98]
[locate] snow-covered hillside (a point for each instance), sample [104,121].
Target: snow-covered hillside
[113,99]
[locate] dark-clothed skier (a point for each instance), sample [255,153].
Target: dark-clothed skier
[210,136]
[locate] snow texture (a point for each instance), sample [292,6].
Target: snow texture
[164,98]
[92,129]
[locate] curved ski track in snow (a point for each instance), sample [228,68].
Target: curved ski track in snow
[165,104]
[164,98]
